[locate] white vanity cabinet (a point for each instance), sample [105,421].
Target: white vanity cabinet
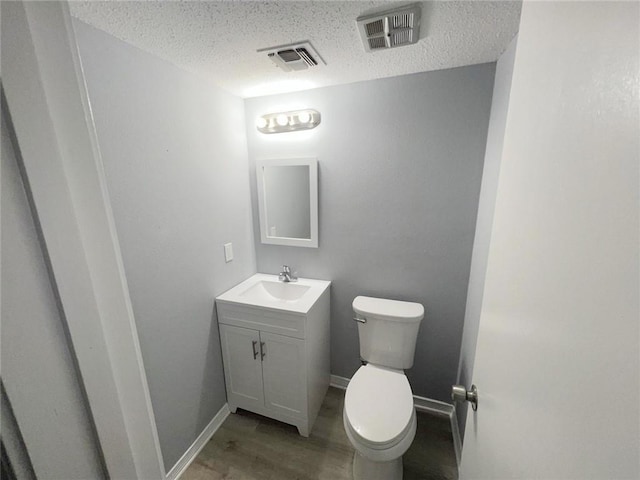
[276,361]
[263,370]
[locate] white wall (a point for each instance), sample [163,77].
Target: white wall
[399,165]
[38,370]
[46,96]
[484,222]
[175,159]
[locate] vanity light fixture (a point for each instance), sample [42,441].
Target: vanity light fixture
[288,121]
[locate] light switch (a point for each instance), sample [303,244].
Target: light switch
[228,252]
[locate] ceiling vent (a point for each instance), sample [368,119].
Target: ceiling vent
[296,56]
[390,29]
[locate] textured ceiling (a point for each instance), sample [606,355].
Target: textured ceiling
[219,38]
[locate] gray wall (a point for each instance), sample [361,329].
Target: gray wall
[400,164]
[175,159]
[484,222]
[38,369]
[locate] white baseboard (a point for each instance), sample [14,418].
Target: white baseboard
[435,407]
[422,404]
[195,448]
[339,382]
[457,439]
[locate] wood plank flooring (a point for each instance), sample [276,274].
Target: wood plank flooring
[250,447]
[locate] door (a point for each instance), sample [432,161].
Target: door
[557,359]
[283,370]
[242,366]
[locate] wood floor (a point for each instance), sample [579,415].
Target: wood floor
[251,447]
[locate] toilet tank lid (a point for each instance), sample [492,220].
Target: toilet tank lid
[382,307]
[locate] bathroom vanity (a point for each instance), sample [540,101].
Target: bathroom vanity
[275,347]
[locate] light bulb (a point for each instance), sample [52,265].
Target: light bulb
[282,120]
[261,122]
[304,117]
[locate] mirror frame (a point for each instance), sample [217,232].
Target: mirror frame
[312,163]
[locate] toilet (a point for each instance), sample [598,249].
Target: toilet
[379,416]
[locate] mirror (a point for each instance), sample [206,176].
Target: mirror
[288,201]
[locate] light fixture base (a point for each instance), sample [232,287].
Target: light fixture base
[293,121]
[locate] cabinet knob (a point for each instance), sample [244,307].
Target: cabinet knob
[254,344]
[262,354]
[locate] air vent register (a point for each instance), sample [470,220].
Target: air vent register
[390,29]
[296,56]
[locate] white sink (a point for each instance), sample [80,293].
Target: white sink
[266,290]
[262,290]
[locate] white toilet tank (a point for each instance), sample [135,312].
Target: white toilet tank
[388,335]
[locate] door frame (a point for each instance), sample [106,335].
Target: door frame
[45,95]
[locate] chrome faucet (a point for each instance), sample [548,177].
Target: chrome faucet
[286,276]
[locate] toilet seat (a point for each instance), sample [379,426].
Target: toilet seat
[378,407]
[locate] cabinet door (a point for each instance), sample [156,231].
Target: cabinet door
[283,371]
[242,372]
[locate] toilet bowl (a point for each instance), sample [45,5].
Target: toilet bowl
[380,421]
[379,417]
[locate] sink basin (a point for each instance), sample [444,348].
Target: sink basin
[266,290]
[262,290]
